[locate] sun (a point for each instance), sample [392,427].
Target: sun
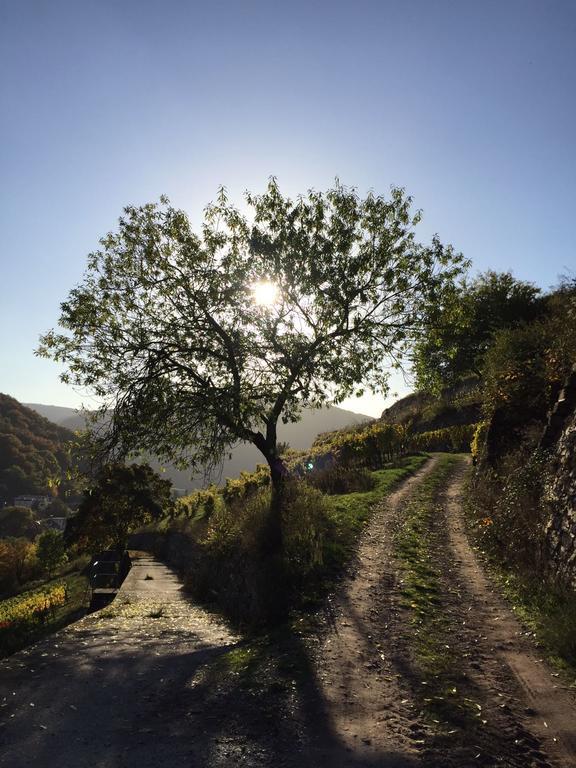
[265,293]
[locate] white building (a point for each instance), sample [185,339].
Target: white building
[33,502]
[54,524]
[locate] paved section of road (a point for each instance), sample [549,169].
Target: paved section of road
[101,692]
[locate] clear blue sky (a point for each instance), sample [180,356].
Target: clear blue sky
[469,105]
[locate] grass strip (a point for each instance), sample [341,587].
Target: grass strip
[350,512]
[549,614]
[347,516]
[435,670]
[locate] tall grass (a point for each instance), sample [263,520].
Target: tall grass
[229,566]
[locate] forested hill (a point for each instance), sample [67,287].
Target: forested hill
[33,452]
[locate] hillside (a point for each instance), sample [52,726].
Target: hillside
[33,452]
[299,436]
[456,405]
[69,418]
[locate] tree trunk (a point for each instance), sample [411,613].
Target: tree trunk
[274,592]
[274,528]
[272,538]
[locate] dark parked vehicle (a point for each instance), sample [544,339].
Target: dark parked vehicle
[108,570]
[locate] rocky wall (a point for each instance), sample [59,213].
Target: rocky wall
[560,439]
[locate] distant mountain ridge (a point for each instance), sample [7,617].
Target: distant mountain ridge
[69,418]
[244,456]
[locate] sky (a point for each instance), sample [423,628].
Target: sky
[471,106]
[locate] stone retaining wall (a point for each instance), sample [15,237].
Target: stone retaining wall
[560,438]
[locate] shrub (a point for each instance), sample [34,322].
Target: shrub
[509,511]
[454,439]
[241,525]
[517,376]
[199,504]
[51,551]
[18,522]
[18,563]
[247,484]
[227,563]
[478,444]
[335,479]
[237,524]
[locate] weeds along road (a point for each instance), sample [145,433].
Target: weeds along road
[414,662]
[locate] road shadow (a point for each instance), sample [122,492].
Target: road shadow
[111,699]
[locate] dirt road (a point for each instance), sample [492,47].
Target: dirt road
[371,710]
[507,707]
[156,681]
[503,661]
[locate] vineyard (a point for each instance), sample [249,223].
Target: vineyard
[33,614]
[351,450]
[31,608]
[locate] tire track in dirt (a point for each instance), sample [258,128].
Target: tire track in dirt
[520,692]
[370,708]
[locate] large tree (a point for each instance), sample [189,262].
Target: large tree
[18,522]
[197,341]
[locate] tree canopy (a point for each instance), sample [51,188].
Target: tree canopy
[121,499]
[197,341]
[35,455]
[18,522]
[460,325]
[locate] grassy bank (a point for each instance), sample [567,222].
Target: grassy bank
[506,519]
[276,661]
[548,612]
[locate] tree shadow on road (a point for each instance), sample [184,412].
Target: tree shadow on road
[109,699]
